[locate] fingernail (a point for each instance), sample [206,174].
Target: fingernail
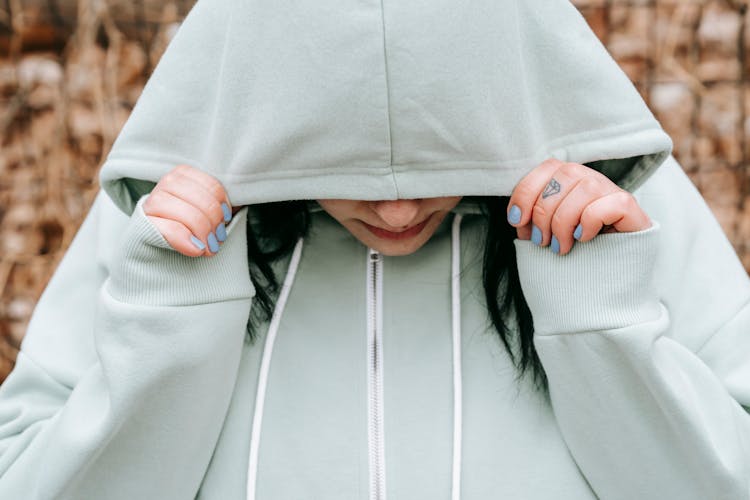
[536,235]
[555,245]
[221,232]
[213,245]
[198,243]
[578,232]
[227,212]
[514,216]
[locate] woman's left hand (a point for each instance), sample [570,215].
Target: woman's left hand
[558,203]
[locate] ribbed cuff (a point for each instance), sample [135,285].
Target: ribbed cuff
[603,284]
[148,271]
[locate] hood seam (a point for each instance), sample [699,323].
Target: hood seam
[388,98]
[530,103]
[220,78]
[618,131]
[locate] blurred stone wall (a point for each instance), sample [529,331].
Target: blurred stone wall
[690,59]
[70,72]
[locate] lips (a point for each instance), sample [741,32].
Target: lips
[401,235]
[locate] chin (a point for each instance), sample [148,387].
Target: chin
[397,248]
[394,248]
[396,252]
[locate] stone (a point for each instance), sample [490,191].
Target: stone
[675,45]
[718,41]
[595,13]
[20,308]
[721,187]
[39,77]
[703,151]
[43,97]
[743,227]
[83,121]
[17,233]
[131,65]
[45,132]
[39,70]
[727,217]
[84,73]
[16,331]
[719,120]
[674,104]
[630,37]
[8,79]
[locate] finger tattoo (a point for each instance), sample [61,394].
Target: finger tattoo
[552,189]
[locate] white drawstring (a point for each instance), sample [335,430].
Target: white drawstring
[265,365]
[457,383]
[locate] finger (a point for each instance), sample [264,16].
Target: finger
[619,210]
[194,193]
[562,182]
[210,184]
[167,206]
[524,233]
[527,191]
[567,216]
[179,237]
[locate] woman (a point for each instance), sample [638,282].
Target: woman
[388,137]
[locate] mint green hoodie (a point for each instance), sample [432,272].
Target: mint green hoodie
[381,377]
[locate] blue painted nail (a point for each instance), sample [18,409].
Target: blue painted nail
[536,235]
[555,245]
[213,245]
[221,232]
[227,212]
[578,232]
[514,216]
[198,243]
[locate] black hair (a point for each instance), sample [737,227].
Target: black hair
[273,231]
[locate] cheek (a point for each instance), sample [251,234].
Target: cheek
[341,210]
[449,203]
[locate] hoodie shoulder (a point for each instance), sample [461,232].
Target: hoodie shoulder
[699,277]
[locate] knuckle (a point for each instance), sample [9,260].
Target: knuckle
[591,184]
[572,170]
[601,177]
[164,180]
[568,169]
[559,222]
[539,213]
[217,189]
[155,198]
[586,215]
[625,200]
[551,162]
[199,225]
[523,192]
[179,169]
[148,205]
[171,178]
[214,209]
[212,185]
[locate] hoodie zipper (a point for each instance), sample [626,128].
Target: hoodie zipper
[375,376]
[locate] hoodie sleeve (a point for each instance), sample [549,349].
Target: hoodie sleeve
[128,365]
[645,339]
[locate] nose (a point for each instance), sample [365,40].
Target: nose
[397,213]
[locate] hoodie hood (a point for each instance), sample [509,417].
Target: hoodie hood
[377,100]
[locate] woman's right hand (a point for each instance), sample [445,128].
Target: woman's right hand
[190,209]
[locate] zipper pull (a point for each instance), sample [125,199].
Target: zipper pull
[374,255]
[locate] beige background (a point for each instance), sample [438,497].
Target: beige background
[70,71]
